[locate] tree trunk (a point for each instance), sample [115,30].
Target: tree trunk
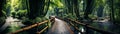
[1,6]
[89,8]
[112,12]
[76,8]
[36,8]
[69,5]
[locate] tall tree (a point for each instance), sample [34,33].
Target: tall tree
[89,8]
[76,8]
[36,8]
[1,5]
[117,11]
[112,11]
[110,3]
[69,5]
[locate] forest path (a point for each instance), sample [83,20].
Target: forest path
[60,27]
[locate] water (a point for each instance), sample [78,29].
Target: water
[11,25]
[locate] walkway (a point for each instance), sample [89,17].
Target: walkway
[60,27]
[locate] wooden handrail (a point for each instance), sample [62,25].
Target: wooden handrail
[45,27]
[93,28]
[83,24]
[29,27]
[75,27]
[32,26]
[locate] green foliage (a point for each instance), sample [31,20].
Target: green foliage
[38,19]
[22,12]
[2,20]
[33,11]
[57,3]
[4,13]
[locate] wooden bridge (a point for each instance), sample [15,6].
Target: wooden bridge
[62,26]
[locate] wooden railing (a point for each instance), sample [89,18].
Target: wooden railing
[32,26]
[77,28]
[29,27]
[93,28]
[42,30]
[83,24]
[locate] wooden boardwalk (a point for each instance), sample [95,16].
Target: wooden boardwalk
[60,27]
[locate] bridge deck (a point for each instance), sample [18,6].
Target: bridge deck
[60,27]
